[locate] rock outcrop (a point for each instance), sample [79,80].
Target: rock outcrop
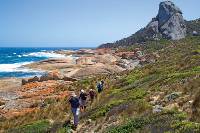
[168,24]
[34,79]
[24,81]
[69,79]
[171,24]
[53,75]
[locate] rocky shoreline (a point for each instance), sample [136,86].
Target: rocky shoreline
[97,61]
[19,96]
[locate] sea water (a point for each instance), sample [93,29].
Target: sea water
[12,60]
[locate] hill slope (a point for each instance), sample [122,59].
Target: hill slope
[158,97]
[168,24]
[192,26]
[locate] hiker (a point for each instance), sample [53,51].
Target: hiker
[82,100]
[100,86]
[74,101]
[92,95]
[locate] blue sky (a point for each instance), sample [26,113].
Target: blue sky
[77,23]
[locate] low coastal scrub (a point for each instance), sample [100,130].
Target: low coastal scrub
[103,110]
[168,121]
[36,127]
[176,71]
[129,98]
[52,110]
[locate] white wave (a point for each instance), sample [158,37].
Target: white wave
[19,56]
[45,54]
[25,55]
[16,67]
[43,50]
[14,53]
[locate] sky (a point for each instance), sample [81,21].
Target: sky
[78,23]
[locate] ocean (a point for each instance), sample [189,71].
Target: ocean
[12,60]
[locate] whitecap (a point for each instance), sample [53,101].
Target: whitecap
[19,56]
[45,54]
[43,50]
[16,67]
[25,55]
[14,53]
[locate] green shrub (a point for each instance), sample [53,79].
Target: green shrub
[103,110]
[64,130]
[133,76]
[162,121]
[186,127]
[36,127]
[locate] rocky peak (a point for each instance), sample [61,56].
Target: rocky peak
[169,24]
[166,10]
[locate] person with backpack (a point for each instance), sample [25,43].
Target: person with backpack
[82,99]
[100,86]
[74,102]
[92,95]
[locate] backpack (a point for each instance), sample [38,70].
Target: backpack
[92,94]
[83,96]
[74,102]
[99,87]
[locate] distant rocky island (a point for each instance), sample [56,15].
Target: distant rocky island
[168,24]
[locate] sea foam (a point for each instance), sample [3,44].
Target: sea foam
[45,54]
[16,67]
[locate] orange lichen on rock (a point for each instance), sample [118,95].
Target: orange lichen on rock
[43,92]
[30,86]
[33,85]
[31,96]
[21,112]
[63,94]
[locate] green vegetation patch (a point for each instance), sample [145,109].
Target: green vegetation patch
[104,109]
[133,76]
[135,94]
[181,75]
[120,97]
[167,121]
[36,127]
[186,127]
[64,130]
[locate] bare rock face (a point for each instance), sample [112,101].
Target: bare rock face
[169,24]
[153,25]
[170,21]
[24,81]
[69,79]
[195,33]
[53,75]
[166,10]
[34,79]
[46,77]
